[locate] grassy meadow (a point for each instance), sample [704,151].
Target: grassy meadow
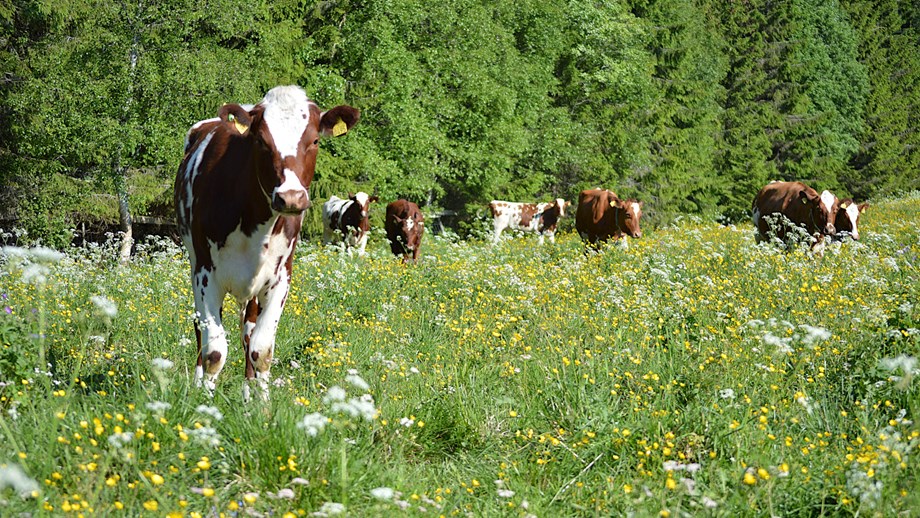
[693,373]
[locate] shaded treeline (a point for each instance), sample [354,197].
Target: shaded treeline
[688,105]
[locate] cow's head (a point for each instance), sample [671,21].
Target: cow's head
[362,202]
[629,212]
[848,217]
[823,209]
[412,227]
[284,131]
[561,205]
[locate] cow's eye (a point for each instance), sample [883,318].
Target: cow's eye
[315,142]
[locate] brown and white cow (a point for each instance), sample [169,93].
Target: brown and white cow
[240,195]
[798,203]
[602,215]
[348,218]
[847,221]
[405,225]
[541,218]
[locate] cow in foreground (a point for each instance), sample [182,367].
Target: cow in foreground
[405,225]
[602,215]
[541,218]
[240,195]
[349,219]
[847,220]
[798,203]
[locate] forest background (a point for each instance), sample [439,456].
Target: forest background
[688,105]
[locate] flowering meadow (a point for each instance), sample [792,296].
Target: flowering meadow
[692,373]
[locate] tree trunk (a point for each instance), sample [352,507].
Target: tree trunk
[124,215]
[121,172]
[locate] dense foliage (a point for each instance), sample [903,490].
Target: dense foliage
[692,374]
[690,105]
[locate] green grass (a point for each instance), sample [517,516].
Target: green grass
[693,373]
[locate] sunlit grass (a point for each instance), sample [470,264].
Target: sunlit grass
[691,373]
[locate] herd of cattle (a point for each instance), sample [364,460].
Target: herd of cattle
[242,189]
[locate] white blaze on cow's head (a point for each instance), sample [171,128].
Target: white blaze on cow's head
[284,131]
[629,212]
[562,204]
[363,201]
[848,217]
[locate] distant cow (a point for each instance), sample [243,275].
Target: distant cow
[800,204]
[240,195]
[602,215]
[349,218]
[541,218]
[405,225]
[847,219]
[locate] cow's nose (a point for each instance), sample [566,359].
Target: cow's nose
[855,235]
[291,202]
[830,230]
[638,234]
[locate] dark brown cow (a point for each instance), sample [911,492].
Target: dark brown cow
[847,221]
[240,195]
[800,204]
[602,215]
[348,219]
[405,225]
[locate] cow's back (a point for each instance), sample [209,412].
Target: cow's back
[592,217]
[780,198]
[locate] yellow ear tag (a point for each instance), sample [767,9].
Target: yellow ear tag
[613,204]
[844,205]
[340,128]
[236,122]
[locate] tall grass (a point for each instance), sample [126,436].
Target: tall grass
[693,373]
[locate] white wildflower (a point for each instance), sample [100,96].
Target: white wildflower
[162,364]
[313,423]
[119,440]
[405,421]
[105,306]
[205,436]
[727,394]
[334,394]
[211,411]
[382,493]
[505,493]
[814,334]
[158,407]
[330,509]
[356,380]
[14,477]
[285,493]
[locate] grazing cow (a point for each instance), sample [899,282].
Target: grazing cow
[800,204]
[602,215]
[530,217]
[349,218]
[405,225]
[240,195]
[848,218]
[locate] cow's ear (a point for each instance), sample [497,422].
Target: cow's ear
[338,121]
[568,203]
[803,195]
[237,116]
[863,206]
[373,198]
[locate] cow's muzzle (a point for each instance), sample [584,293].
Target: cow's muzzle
[294,201]
[830,229]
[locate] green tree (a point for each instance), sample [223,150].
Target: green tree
[888,160]
[113,86]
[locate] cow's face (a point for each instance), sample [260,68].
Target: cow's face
[847,219]
[561,205]
[284,131]
[363,202]
[630,212]
[823,210]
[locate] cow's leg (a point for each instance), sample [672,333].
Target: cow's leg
[248,315]
[362,244]
[209,328]
[497,232]
[262,339]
